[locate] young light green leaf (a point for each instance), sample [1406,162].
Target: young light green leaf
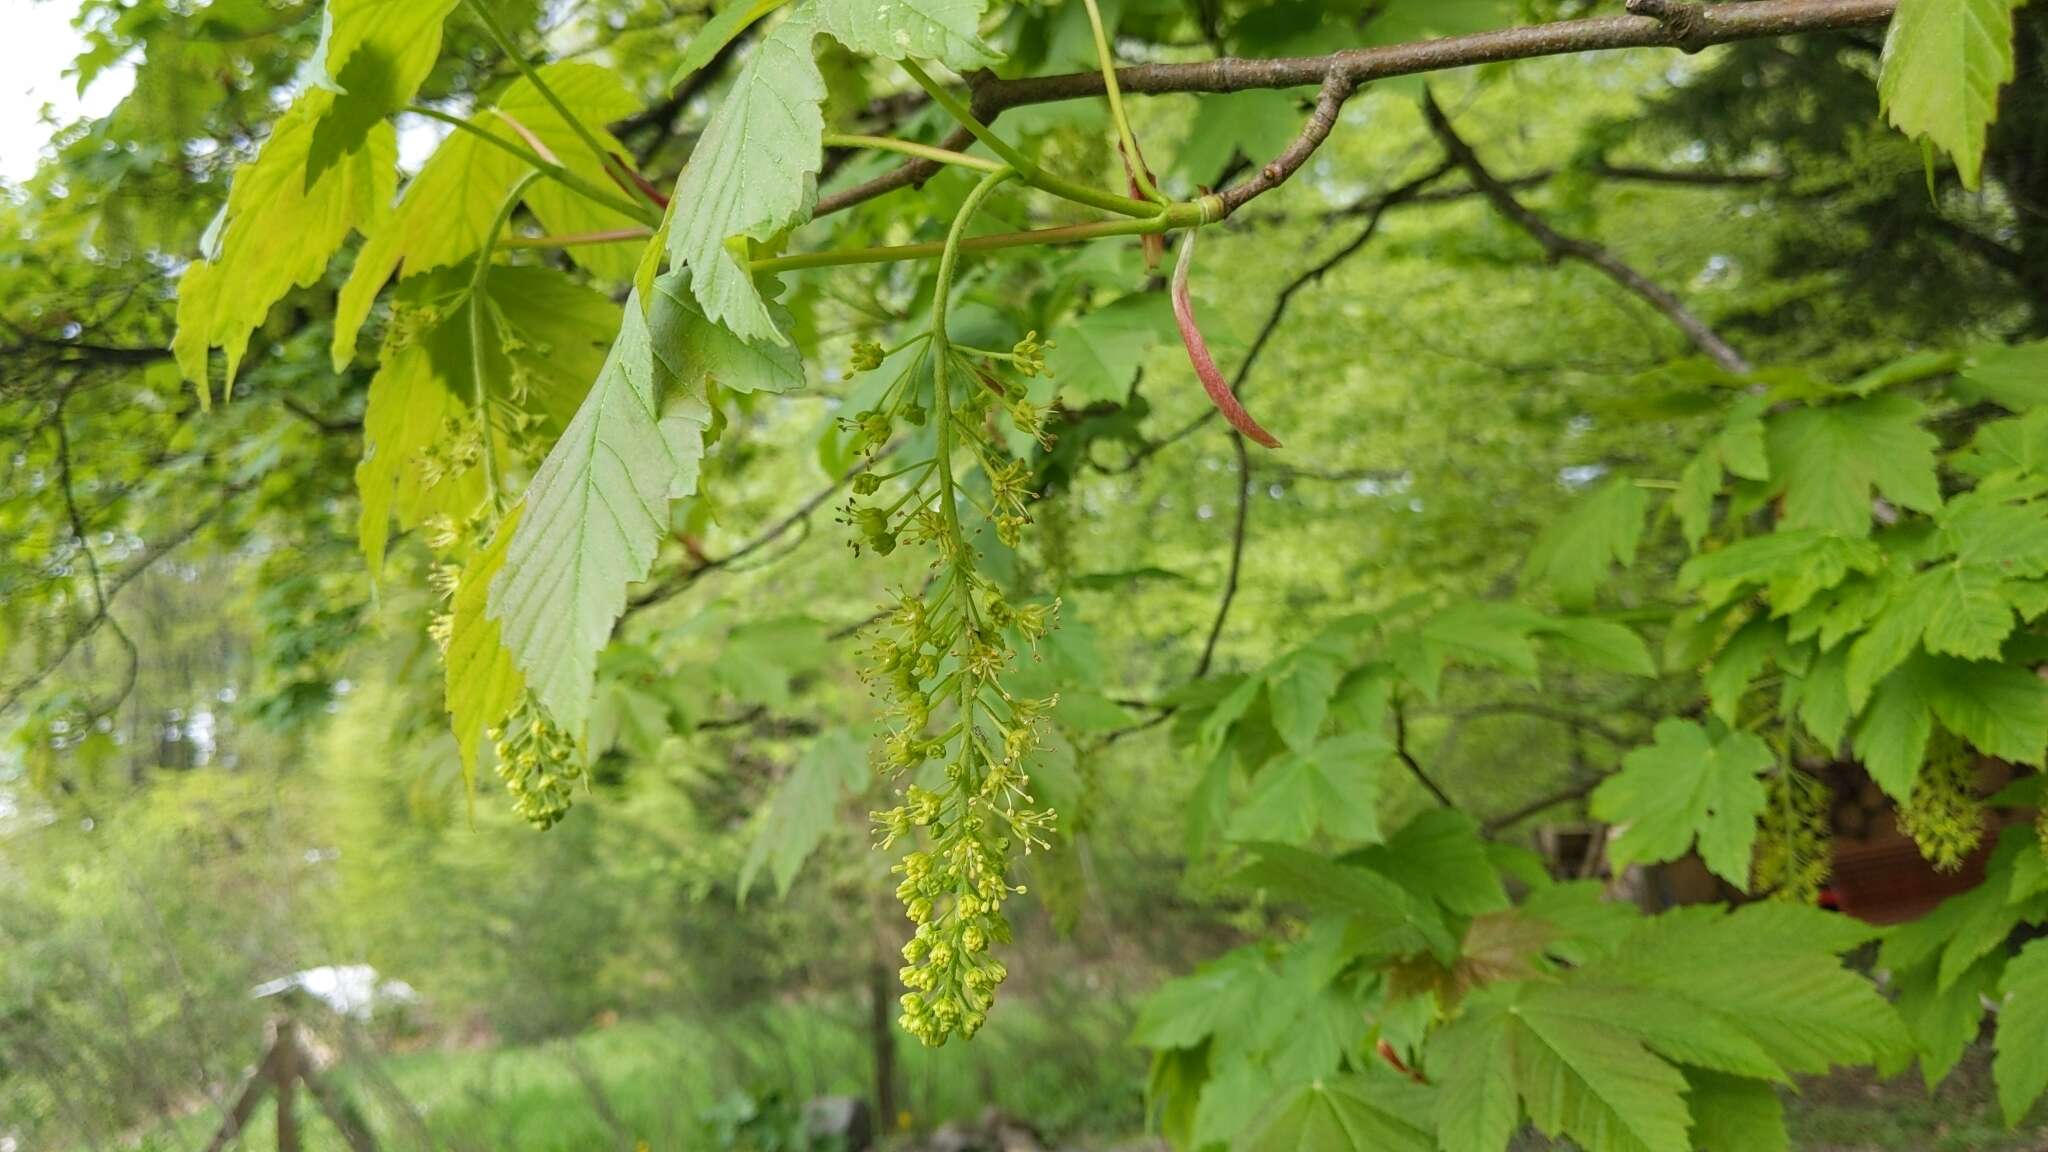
[1826,460]
[280,231]
[2021,1061]
[1684,787]
[1944,63]
[596,513]
[546,338]
[482,682]
[1298,689]
[753,173]
[1603,644]
[1576,553]
[944,30]
[1097,356]
[444,212]
[373,55]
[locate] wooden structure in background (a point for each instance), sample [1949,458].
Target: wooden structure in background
[285,1066]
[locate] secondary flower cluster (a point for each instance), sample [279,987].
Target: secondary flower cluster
[1945,816]
[959,738]
[538,763]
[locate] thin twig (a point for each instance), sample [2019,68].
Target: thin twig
[1406,757]
[1244,504]
[1578,791]
[1557,246]
[775,531]
[1330,98]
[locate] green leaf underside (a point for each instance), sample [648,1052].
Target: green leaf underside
[942,30]
[753,173]
[597,509]
[595,515]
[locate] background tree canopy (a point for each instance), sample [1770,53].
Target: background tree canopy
[705,539]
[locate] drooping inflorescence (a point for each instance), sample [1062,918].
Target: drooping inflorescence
[959,739]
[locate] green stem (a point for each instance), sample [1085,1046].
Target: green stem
[478,302]
[1031,173]
[940,350]
[482,10]
[911,148]
[552,170]
[575,239]
[1134,159]
[1176,217]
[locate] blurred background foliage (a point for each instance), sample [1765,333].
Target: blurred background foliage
[268,786]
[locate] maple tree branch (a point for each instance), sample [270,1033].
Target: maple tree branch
[1703,25]
[1566,795]
[1650,24]
[1559,247]
[120,580]
[1244,504]
[1407,758]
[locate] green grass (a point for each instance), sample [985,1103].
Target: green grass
[1064,1066]
[1857,1112]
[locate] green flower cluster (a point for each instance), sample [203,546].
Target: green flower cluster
[1945,817]
[1794,857]
[959,738]
[538,763]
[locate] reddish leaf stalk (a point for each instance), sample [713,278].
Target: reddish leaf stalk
[645,185]
[1198,352]
[1154,242]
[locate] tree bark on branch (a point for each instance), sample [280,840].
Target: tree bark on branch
[1651,24]
[1560,247]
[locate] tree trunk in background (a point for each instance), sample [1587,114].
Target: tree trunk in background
[882,1025]
[2018,154]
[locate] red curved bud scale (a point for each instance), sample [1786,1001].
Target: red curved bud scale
[1198,353]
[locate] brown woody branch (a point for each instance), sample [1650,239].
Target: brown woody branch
[1560,247]
[1651,24]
